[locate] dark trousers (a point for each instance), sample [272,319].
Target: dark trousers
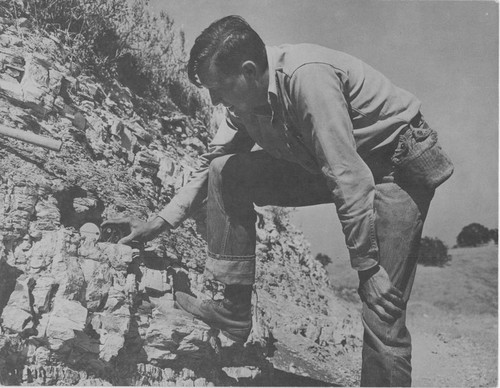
[237,182]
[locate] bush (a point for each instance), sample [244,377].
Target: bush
[433,252]
[86,27]
[494,235]
[323,259]
[473,235]
[279,216]
[122,39]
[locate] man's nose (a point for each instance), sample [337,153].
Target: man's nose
[216,100]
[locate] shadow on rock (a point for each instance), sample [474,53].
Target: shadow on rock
[287,379]
[8,277]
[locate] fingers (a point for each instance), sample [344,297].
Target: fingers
[116,221]
[134,237]
[120,222]
[386,313]
[396,292]
[388,307]
[382,297]
[127,240]
[391,309]
[382,314]
[396,298]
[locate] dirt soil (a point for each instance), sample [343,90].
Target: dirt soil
[452,316]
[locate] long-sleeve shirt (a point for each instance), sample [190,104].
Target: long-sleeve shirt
[329,111]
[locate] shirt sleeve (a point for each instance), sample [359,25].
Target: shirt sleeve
[316,94]
[230,138]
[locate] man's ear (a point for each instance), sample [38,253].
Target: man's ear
[249,69]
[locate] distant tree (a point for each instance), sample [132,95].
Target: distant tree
[473,235]
[323,259]
[494,235]
[433,252]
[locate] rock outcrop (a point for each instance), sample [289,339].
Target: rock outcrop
[76,311]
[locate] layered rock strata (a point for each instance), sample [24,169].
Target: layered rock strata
[76,311]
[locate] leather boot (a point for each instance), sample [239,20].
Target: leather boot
[232,315]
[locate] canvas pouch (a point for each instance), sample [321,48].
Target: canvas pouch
[419,158]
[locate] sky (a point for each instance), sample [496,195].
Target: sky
[444,52]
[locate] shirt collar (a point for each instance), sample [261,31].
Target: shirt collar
[272,58]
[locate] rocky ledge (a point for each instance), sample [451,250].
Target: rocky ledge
[77,311]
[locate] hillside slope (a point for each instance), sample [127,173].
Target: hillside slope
[454,321]
[452,317]
[79,312]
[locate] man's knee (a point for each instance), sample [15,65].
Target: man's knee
[386,336]
[217,164]
[233,167]
[226,175]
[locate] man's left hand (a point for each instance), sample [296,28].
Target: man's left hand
[377,291]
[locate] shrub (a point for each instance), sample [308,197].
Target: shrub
[494,235]
[123,39]
[86,27]
[279,217]
[323,259]
[473,235]
[433,252]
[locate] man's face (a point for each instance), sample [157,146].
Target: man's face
[239,93]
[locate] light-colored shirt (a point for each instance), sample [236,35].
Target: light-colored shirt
[329,111]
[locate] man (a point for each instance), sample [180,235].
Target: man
[331,129]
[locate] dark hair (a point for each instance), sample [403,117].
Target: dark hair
[227,42]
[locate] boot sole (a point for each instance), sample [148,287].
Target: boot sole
[233,337]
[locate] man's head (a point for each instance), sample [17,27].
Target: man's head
[229,59]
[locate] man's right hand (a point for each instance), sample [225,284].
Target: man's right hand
[140,231]
[377,291]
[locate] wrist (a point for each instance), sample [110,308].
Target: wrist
[368,273]
[160,224]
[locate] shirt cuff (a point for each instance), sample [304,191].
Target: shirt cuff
[173,214]
[363,263]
